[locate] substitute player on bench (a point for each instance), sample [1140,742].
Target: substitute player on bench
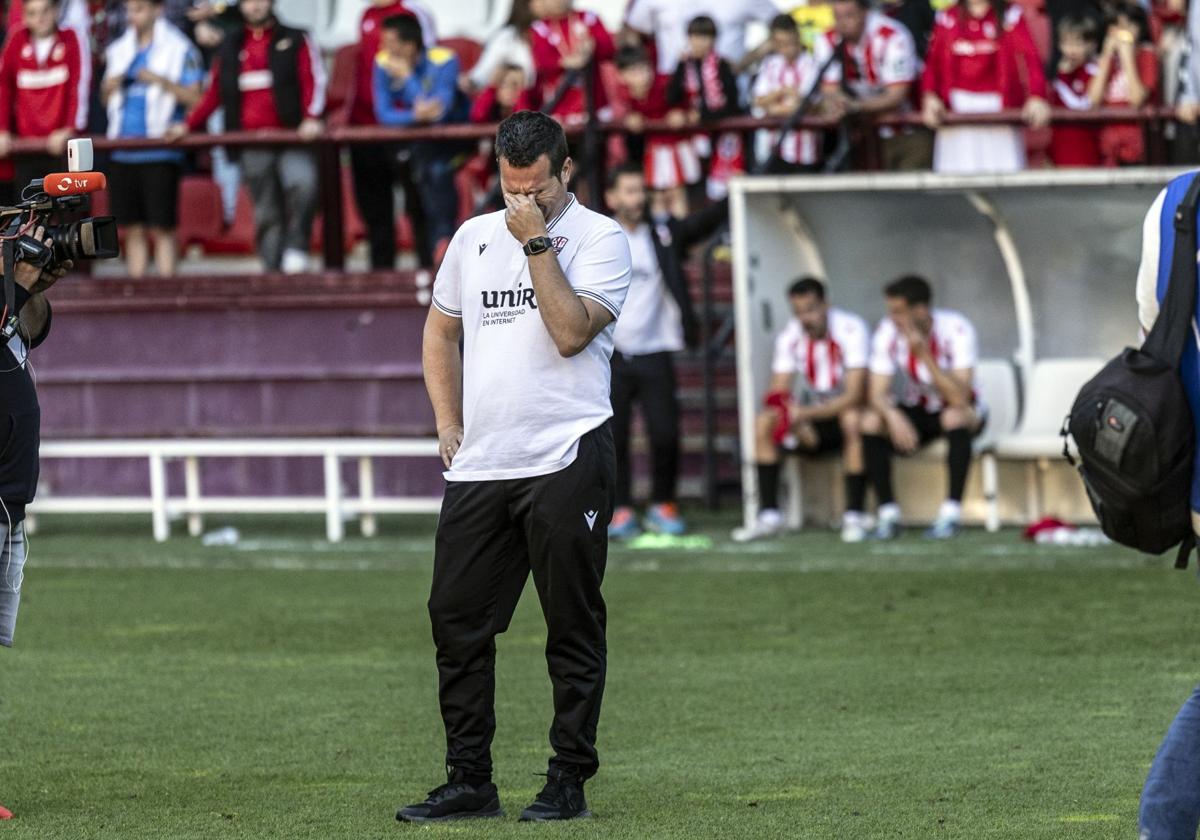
[813,404]
[523,427]
[921,388]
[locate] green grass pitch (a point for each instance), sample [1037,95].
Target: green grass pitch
[286,688]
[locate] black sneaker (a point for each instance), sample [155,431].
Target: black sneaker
[561,799]
[455,800]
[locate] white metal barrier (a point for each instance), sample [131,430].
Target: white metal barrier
[193,504]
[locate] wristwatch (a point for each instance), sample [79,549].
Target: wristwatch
[537,245]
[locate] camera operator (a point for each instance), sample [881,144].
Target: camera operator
[20,419]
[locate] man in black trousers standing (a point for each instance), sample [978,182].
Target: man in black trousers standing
[533,292]
[658,321]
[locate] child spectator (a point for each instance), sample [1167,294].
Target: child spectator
[669,161]
[703,89]
[1070,144]
[563,40]
[268,75]
[415,86]
[786,76]
[499,99]
[153,74]
[1126,76]
[44,88]
[981,60]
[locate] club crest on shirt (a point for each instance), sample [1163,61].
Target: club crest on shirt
[558,243]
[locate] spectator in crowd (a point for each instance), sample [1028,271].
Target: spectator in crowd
[44,89]
[666,23]
[813,404]
[874,74]
[564,43]
[499,98]
[111,22]
[917,16]
[508,45]
[981,60]
[75,15]
[669,160]
[1126,76]
[1187,107]
[784,79]
[703,84]
[657,321]
[269,75]
[152,74]
[377,167]
[1075,145]
[921,388]
[415,86]
[703,89]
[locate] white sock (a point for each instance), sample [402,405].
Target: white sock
[889,512]
[770,517]
[950,510]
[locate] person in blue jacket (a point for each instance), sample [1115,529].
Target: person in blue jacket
[415,87]
[1170,808]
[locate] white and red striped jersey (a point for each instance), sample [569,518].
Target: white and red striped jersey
[952,342]
[822,363]
[883,56]
[43,84]
[777,73]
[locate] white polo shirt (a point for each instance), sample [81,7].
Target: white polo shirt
[525,407]
[652,322]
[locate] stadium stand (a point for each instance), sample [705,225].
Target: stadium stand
[211,248]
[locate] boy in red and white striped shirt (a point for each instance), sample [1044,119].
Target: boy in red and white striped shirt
[44,88]
[786,76]
[813,404]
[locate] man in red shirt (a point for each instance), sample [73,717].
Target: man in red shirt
[372,192]
[269,75]
[44,88]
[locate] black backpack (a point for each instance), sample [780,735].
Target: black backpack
[1132,423]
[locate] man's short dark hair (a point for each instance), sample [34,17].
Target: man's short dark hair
[807,286]
[702,25]
[527,135]
[865,5]
[407,28]
[784,23]
[627,168]
[912,289]
[631,55]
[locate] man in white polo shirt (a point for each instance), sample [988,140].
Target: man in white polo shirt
[533,293]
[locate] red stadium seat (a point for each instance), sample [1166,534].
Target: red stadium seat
[468,51]
[199,211]
[238,238]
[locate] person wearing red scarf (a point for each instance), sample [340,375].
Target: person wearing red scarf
[982,59]
[562,40]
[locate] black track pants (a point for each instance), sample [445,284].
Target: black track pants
[491,534]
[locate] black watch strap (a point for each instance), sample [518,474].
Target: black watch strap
[537,245]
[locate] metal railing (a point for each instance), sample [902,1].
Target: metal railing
[329,143]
